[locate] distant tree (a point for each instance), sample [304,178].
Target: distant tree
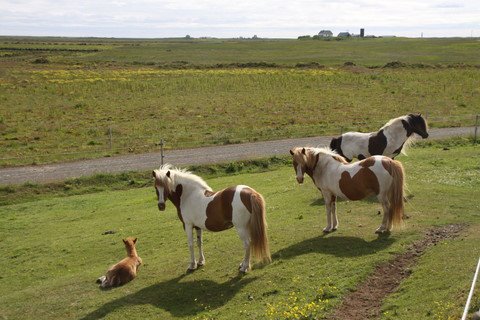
[307,37]
[188,36]
[325,33]
[255,37]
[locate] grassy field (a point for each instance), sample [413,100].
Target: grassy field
[210,52]
[53,250]
[66,99]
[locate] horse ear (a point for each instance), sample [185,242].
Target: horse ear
[168,173]
[303,150]
[154,174]
[124,241]
[291,152]
[134,240]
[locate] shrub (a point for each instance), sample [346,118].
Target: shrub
[41,60]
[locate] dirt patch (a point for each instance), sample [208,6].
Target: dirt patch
[366,300]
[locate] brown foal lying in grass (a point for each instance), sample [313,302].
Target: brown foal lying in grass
[124,271]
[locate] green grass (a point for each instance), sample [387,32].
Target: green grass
[53,250]
[203,52]
[55,115]
[70,98]
[12,194]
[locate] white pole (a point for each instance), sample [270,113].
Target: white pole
[467,306]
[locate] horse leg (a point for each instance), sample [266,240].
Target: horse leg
[193,263]
[333,206]
[245,237]
[201,260]
[328,201]
[384,227]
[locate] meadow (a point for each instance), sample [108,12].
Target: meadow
[67,99]
[72,98]
[54,249]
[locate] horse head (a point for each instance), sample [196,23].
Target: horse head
[163,182]
[299,157]
[130,245]
[418,124]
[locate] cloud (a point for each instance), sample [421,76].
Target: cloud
[147,18]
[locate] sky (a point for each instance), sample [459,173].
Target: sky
[244,18]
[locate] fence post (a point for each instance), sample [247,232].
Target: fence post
[162,143]
[476,129]
[110,137]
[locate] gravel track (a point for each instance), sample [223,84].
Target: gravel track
[183,157]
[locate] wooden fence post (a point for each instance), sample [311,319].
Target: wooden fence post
[110,137]
[162,143]
[476,129]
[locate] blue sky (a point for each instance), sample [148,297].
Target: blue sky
[218,18]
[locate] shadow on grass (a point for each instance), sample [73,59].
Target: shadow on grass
[321,202]
[180,298]
[337,246]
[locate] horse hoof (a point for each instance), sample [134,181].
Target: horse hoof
[200,264]
[242,271]
[327,231]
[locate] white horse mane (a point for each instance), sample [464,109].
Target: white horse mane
[394,120]
[325,151]
[181,176]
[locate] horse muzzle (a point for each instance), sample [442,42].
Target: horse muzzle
[424,135]
[161,206]
[300,180]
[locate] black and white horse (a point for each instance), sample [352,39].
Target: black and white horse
[388,141]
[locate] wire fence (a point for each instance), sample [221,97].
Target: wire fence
[115,143]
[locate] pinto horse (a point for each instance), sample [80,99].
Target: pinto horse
[334,177]
[200,208]
[388,141]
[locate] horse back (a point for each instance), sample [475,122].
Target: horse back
[354,145]
[122,272]
[219,210]
[369,177]
[224,205]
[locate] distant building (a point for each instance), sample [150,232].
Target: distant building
[325,33]
[362,32]
[344,35]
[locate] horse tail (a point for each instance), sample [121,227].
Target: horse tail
[259,247]
[396,193]
[335,145]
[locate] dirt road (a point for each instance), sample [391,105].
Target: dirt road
[147,161]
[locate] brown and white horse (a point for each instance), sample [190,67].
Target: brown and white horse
[200,208]
[389,141]
[334,177]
